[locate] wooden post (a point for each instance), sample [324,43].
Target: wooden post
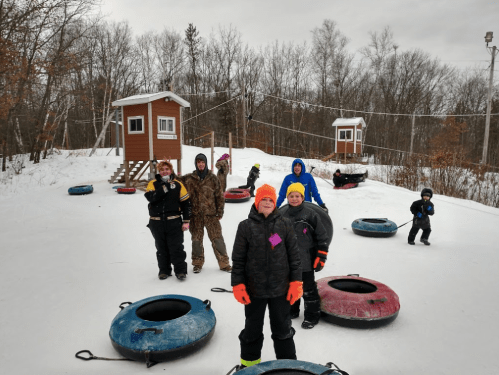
[230,153]
[117,132]
[127,174]
[212,150]
[412,133]
[179,166]
[244,117]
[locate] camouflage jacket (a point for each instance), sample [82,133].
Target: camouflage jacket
[206,194]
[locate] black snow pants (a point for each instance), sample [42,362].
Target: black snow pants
[414,231]
[251,337]
[311,299]
[169,241]
[250,184]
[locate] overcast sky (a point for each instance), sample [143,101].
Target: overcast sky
[452,30]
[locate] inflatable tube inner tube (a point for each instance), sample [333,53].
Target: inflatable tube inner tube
[162,328]
[237,195]
[357,302]
[80,190]
[125,190]
[163,310]
[285,367]
[374,227]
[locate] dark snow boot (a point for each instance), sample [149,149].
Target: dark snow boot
[411,243]
[425,241]
[181,276]
[308,324]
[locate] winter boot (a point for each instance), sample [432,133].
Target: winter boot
[196,269]
[181,276]
[308,325]
[411,242]
[425,241]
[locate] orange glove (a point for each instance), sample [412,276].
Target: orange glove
[320,260]
[240,294]
[295,291]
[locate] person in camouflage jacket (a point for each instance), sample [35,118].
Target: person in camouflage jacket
[207,201]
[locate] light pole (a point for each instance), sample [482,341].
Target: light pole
[488,39]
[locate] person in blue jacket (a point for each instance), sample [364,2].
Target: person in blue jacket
[299,174]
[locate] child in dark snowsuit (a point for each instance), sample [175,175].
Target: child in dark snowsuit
[421,209]
[266,273]
[341,179]
[252,177]
[313,242]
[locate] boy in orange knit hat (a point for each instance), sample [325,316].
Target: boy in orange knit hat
[266,270]
[313,242]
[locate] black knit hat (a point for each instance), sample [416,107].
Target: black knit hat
[337,171]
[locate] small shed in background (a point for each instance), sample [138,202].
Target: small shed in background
[152,131]
[348,135]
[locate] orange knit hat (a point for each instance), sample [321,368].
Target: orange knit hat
[265,191]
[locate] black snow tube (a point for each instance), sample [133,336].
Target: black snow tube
[285,367]
[162,328]
[81,190]
[125,190]
[237,195]
[374,227]
[325,218]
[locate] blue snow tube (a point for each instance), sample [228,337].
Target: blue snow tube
[374,227]
[285,367]
[80,190]
[162,328]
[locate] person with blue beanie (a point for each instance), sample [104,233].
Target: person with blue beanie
[299,174]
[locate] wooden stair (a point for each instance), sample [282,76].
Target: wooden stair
[136,170]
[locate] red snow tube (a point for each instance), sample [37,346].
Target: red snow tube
[354,301]
[237,195]
[125,190]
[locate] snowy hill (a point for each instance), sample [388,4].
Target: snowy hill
[67,262]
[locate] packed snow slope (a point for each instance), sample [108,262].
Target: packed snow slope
[67,262]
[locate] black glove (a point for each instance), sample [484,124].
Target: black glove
[323,206]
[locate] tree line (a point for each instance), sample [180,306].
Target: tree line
[61,67]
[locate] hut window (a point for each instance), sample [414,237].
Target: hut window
[346,135]
[166,125]
[359,135]
[136,124]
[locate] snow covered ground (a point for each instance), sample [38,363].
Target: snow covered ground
[67,262]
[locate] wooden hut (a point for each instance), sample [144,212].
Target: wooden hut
[152,131]
[348,135]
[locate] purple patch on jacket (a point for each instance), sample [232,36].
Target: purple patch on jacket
[305,230]
[275,240]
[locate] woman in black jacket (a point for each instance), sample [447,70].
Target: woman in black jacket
[266,270]
[168,200]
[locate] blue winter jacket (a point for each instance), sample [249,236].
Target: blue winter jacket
[306,179]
